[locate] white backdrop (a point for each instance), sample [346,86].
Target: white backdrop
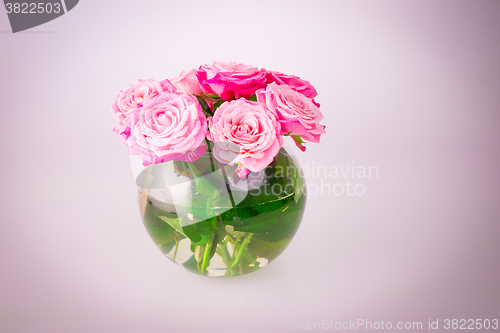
[408,87]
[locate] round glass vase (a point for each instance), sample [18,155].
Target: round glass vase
[206,218]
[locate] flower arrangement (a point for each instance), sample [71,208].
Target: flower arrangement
[246,111]
[227,198]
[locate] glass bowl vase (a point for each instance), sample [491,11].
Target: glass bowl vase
[207,219]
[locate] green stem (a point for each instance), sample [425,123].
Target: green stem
[226,180]
[210,154]
[236,247]
[251,259]
[186,167]
[206,259]
[176,247]
[226,258]
[241,250]
[200,254]
[230,239]
[223,254]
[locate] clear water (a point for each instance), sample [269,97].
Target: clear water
[216,234]
[280,218]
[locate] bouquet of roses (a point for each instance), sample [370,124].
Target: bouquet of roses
[244,110]
[237,114]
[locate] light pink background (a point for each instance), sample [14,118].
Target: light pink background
[411,87]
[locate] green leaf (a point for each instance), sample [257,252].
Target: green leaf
[167,247]
[293,173]
[204,187]
[202,184]
[159,231]
[204,230]
[213,247]
[248,220]
[200,212]
[204,194]
[174,223]
[216,105]
[299,142]
[288,220]
[204,106]
[161,235]
[221,229]
[191,264]
[193,235]
[253,98]
[272,206]
[297,182]
[237,214]
[268,250]
[204,162]
[230,230]
[199,233]
[260,224]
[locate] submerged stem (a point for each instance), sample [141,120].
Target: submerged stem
[201,253]
[176,247]
[210,154]
[226,258]
[241,250]
[226,180]
[206,255]
[251,259]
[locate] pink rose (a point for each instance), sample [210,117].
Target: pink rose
[126,107]
[187,82]
[230,80]
[296,113]
[296,83]
[244,132]
[122,131]
[170,127]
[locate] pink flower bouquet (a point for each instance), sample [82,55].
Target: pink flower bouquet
[231,188]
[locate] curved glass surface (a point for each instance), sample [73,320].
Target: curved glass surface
[203,216]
